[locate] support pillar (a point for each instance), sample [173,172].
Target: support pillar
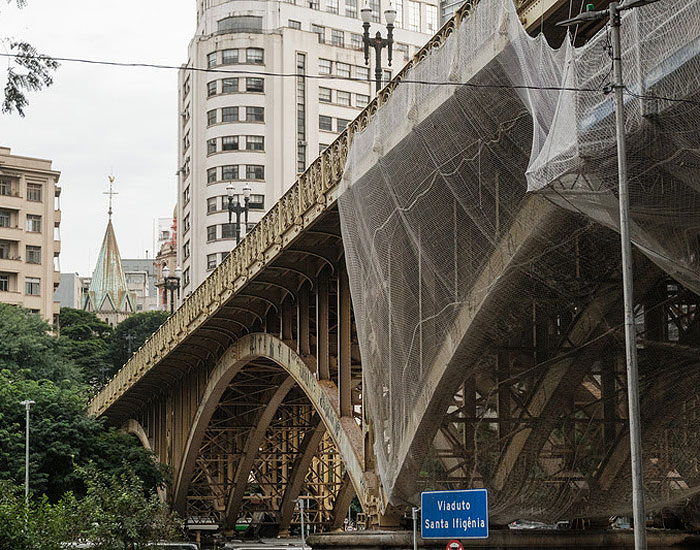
[303,339]
[344,334]
[322,353]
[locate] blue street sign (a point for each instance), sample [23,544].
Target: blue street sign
[454,514]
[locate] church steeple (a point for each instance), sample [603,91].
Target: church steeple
[108,295]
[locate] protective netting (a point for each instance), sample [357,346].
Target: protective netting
[479,223]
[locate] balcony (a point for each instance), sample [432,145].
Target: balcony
[13,233]
[13,201]
[11,297]
[57,216]
[56,246]
[10,265]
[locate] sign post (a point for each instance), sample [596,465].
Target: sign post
[455,515]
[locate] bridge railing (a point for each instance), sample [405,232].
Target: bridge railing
[310,194]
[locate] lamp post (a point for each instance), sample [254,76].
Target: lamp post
[238,209]
[27,404]
[612,13]
[378,43]
[171,283]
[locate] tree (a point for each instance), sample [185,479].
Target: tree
[84,339]
[62,436]
[118,513]
[131,333]
[28,349]
[28,71]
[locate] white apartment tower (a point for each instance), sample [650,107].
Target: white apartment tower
[250,120]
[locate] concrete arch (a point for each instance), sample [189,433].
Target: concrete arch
[322,394]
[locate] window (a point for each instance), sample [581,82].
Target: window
[257,202]
[325,123]
[211,146]
[211,233]
[255,172]
[186,250]
[211,261]
[255,114]
[255,56]
[324,94]
[186,87]
[386,76]
[342,69]
[33,192]
[356,41]
[313,4]
[33,254]
[398,5]
[229,143]
[350,8]
[321,32]
[229,57]
[342,123]
[431,18]
[4,250]
[211,88]
[343,98]
[324,66]
[361,100]
[186,224]
[212,204]
[403,50]
[211,117]
[33,223]
[229,85]
[374,5]
[211,60]
[229,172]
[362,72]
[294,24]
[186,277]
[4,282]
[255,143]
[5,187]
[229,114]
[254,85]
[322,147]
[413,16]
[186,141]
[31,285]
[332,6]
[186,195]
[337,38]
[211,175]
[228,230]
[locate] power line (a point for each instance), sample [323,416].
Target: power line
[251,73]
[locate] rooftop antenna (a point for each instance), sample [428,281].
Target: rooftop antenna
[110,193]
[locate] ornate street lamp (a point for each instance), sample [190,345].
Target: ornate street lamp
[378,43]
[171,283]
[238,209]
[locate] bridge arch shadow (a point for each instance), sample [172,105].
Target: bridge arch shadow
[289,380]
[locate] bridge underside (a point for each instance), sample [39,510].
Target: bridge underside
[483,346]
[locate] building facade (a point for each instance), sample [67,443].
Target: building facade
[30,218]
[282,80]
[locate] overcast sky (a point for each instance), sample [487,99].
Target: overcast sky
[100,120]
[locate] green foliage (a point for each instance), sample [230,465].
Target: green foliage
[62,435]
[85,340]
[28,349]
[131,333]
[118,513]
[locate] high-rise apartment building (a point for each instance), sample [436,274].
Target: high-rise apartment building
[29,238]
[283,80]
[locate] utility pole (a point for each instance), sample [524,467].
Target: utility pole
[612,13]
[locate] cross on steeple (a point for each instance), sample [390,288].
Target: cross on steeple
[110,193]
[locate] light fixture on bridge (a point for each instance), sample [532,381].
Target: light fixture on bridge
[238,209]
[612,13]
[171,283]
[378,43]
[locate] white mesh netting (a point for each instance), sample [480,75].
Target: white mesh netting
[479,223]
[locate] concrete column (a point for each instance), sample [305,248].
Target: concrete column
[322,362]
[344,333]
[303,339]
